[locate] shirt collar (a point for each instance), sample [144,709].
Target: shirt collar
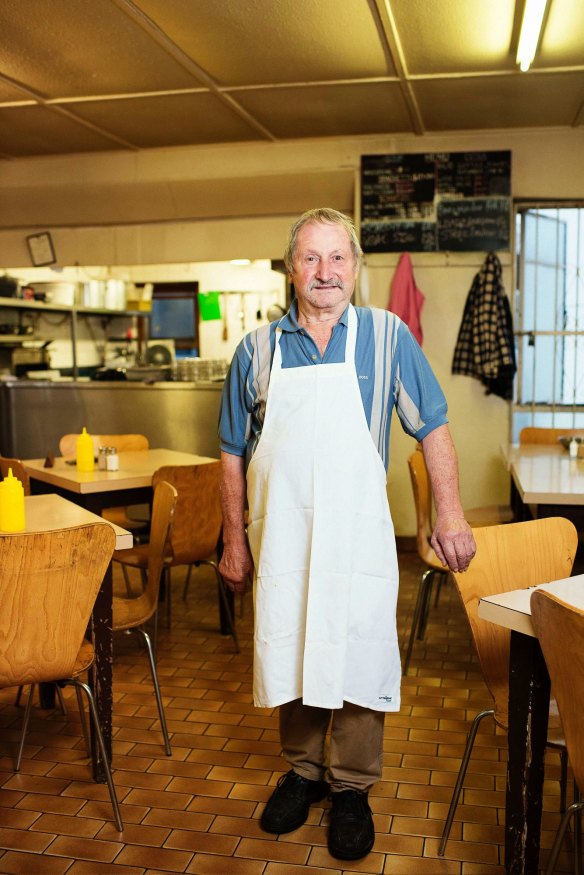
[289,322]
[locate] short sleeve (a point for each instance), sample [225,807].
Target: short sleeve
[419,401]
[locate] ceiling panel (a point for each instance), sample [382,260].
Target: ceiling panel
[504,102]
[455,36]
[62,48]
[563,39]
[250,42]
[319,111]
[39,131]
[168,121]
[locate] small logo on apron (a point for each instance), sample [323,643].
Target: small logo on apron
[385,698]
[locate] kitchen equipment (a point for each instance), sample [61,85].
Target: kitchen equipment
[29,356]
[160,353]
[148,373]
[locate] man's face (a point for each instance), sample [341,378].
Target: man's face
[325,269]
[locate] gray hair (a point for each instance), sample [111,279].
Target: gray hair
[323,216]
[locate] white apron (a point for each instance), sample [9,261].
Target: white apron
[322,540]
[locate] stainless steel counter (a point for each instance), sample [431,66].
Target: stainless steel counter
[179,416]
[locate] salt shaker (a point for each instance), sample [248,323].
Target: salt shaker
[573,448]
[112,459]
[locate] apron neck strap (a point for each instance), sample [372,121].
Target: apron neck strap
[349,347]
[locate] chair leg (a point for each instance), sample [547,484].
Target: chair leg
[59,694]
[461,775]
[225,600]
[422,600]
[147,642]
[187,582]
[426,605]
[25,723]
[61,700]
[575,808]
[577,833]
[563,778]
[167,587]
[99,737]
[84,727]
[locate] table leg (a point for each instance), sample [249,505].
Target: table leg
[47,696]
[529,696]
[101,672]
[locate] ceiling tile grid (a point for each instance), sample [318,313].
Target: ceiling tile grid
[98,75]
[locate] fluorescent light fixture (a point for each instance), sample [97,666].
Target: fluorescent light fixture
[240,261]
[533,14]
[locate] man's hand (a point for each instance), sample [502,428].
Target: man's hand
[236,563]
[453,542]
[236,566]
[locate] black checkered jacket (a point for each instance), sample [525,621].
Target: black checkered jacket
[485,347]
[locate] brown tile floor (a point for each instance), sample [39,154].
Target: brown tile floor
[197,812]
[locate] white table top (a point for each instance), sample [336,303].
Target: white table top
[513,609]
[545,474]
[45,513]
[136,470]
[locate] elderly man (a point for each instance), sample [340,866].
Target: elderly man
[304,430]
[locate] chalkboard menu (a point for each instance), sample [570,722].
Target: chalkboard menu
[434,202]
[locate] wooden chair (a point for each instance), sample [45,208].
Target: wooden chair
[130,614]
[195,531]
[49,582]
[135,521]
[489,515]
[560,630]
[18,471]
[123,442]
[508,557]
[532,435]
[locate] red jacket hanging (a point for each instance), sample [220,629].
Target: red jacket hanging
[405,299]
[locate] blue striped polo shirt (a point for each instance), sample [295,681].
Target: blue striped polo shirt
[392,371]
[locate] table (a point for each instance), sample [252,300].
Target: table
[95,490]
[546,482]
[529,697]
[45,513]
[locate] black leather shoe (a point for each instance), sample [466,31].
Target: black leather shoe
[351,831]
[287,807]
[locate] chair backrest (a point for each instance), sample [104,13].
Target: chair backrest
[163,510]
[17,470]
[131,612]
[532,435]
[423,502]
[48,585]
[198,518]
[122,442]
[511,556]
[560,630]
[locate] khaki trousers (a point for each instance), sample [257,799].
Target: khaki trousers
[355,748]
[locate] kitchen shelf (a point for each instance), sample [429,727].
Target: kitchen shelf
[73,311]
[43,306]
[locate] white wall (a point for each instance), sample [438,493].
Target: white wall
[479,424]
[216,203]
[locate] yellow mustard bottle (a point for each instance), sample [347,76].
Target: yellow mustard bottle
[85,452]
[11,504]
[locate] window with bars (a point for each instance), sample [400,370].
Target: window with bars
[549,318]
